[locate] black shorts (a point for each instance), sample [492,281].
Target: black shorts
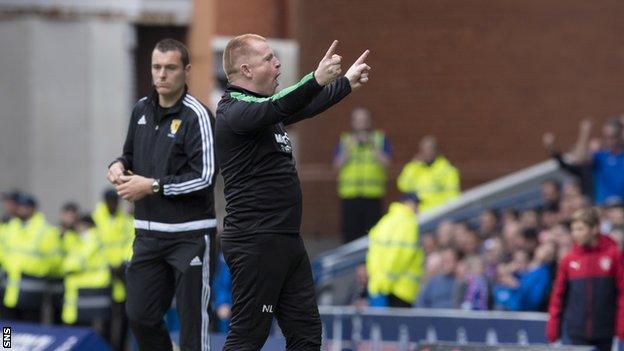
[271,275]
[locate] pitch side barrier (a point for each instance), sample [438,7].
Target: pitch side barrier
[350,328]
[482,347]
[519,190]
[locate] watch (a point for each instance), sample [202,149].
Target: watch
[156,186]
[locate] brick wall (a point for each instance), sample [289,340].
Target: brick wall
[269,18]
[488,77]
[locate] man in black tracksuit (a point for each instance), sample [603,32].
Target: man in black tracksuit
[168,169]
[270,268]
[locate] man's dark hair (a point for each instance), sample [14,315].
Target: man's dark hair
[70,206]
[174,45]
[87,220]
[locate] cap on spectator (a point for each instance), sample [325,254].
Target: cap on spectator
[70,206]
[614,201]
[11,195]
[410,197]
[86,219]
[25,199]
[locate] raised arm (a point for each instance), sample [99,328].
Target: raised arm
[251,113]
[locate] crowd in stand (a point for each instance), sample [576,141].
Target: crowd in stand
[71,272]
[507,259]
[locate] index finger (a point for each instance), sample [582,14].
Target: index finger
[362,57]
[331,49]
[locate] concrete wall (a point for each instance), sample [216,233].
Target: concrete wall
[66,99]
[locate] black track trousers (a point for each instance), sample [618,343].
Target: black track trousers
[159,269]
[271,275]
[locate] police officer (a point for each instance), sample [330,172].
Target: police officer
[115,228]
[270,269]
[430,175]
[394,261]
[32,256]
[362,156]
[167,169]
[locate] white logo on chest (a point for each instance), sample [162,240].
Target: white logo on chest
[605,263]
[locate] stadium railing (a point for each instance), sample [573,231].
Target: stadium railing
[519,190]
[350,328]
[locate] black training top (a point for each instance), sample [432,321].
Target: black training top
[255,157]
[174,145]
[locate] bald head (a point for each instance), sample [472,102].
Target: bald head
[238,51]
[361,119]
[428,148]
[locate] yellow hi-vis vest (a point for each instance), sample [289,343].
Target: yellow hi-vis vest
[32,248]
[395,260]
[362,175]
[85,268]
[435,184]
[116,234]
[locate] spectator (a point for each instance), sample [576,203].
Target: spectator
[512,237]
[32,255]
[444,233]
[430,175]
[588,293]
[572,188]
[359,298]
[530,219]
[510,215]
[493,255]
[508,274]
[617,234]
[613,215]
[529,291]
[362,156]
[439,291]
[433,265]
[549,216]
[116,230]
[488,224]
[466,239]
[87,296]
[395,261]
[563,239]
[571,204]
[551,193]
[476,291]
[575,162]
[429,243]
[9,206]
[68,217]
[530,239]
[608,164]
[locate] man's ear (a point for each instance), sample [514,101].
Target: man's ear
[187,69]
[245,71]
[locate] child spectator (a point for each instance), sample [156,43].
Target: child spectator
[588,293]
[476,285]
